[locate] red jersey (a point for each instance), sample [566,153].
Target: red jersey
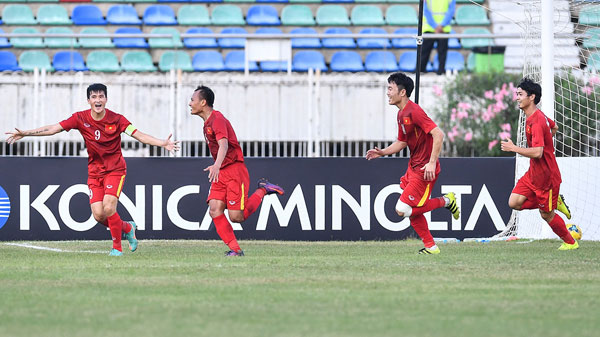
[217,127]
[413,128]
[543,172]
[102,139]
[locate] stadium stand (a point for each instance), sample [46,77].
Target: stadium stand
[175,60]
[137,61]
[232,42]
[262,15]
[381,61]
[476,42]
[103,61]
[338,42]
[18,14]
[234,61]
[4,41]
[471,15]
[402,43]
[8,61]
[305,42]
[346,61]
[401,15]
[193,15]
[31,59]
[53,15]
[26,42]
[87,15]
[68,61]
[122,15]
[227,15]
[332,15]
[130,42]
[200,42]
[367,15]
[174,42]
[297,15]
[208,60]
[307,59]
[373,43]
[95,42]
[159,15]
[408,61]
[60,42]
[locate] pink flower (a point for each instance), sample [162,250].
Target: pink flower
[594,80]
[462,114]
[464,106]
[505,127]
[489,94]
[451,137]
[504,135]
[492,144]
[437,90]
[453,110]
[453,116]
[468,136]
[587,90]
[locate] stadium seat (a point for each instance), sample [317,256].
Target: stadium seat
[4,41]
[273,66]
[193,15]
[268,30]
[95,42]
[373,43]
[68,61]
[129,42]
[401,15]
[53,15]
[138,61]
[208,60]
[297,15]
[381,61]
[471,15]
[337,1]
[408,61]
[590,16]
[404,1]
[87,15]
[175,60]
[593,41]
[262,15]
[26,42]
[593,61]
[305,42]
[103,61]
[338,42]
[60,42]
[307,59]
[225,15]
[454,61]
[405,42]
[242,0]
[31,59]
[234,61]
[232,42]
[122,15]
[476,42]
[305,1]
[471,62]
[332,15]
[453,42]
[367,15]
[159,15]
[8,61]
[161,42]
[200,42]
[274,1]
[17,14]
[346,61]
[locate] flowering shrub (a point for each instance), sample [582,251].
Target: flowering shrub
[476,111]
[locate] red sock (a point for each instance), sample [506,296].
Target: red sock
[126,227]
[225,232]
[253,202]
[116,227]
[419,223]
[558,226]
[529,204]
[430,205]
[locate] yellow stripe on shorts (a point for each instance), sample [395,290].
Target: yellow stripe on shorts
[120,186]
[550,202]
[425,195]
[243,194]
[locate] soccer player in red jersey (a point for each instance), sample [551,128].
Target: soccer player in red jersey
[540,186]
[424,140]
[101,130]
[228,175]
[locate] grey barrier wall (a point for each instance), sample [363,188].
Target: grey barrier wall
[326,199]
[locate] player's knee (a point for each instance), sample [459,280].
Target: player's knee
[236,217]
[214,212]
[101,218]
[403,209]
[548,216]
[108,210]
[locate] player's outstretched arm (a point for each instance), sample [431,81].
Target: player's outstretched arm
[168,144]
[531,152]
[47,130]
[395,147]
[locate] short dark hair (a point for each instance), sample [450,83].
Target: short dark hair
[96,87]
[207,94]
[532,88]
[403,82]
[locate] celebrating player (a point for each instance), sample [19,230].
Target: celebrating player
[539,187]
[101,129]
[424,140]
[228,175]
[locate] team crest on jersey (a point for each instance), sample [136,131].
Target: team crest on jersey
[110,128]
[411,197]
[86,125]
[231,202]
[209,131]
[406,121]
[528,129]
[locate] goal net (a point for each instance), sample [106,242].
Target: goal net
[576,111]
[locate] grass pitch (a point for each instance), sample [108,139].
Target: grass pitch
[187,288]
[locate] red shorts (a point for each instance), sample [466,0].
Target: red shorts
[547,200]
[415,189]
[111,184]
[232,187]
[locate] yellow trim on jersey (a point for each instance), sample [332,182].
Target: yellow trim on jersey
[425,196]
[120,186]
[130,130]
[550,202]
[243,194]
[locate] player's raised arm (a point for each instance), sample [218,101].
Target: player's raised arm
[395,147]
[47,130]
[168,144]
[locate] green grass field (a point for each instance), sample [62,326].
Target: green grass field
[187,288]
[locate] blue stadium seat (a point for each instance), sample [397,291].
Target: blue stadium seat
[337,1]
[405,42]
[232,42]
[453,42]
[122,15]
[274,1]
[432,66]
[208,60]
[262,15]
[346,61]
[159,15]
[4,41]
[373,43]
[68,61]
[273,66]
[381,61]
[87,15]
[8,61]
[306,59]
[305,42]
[268,30]
[234,61]
[129,42]
[454,61]
[200,42]
[408,61]
[339,42]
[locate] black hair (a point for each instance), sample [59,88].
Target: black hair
[403,82]
[532,88]
[207,94]
[96,87]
